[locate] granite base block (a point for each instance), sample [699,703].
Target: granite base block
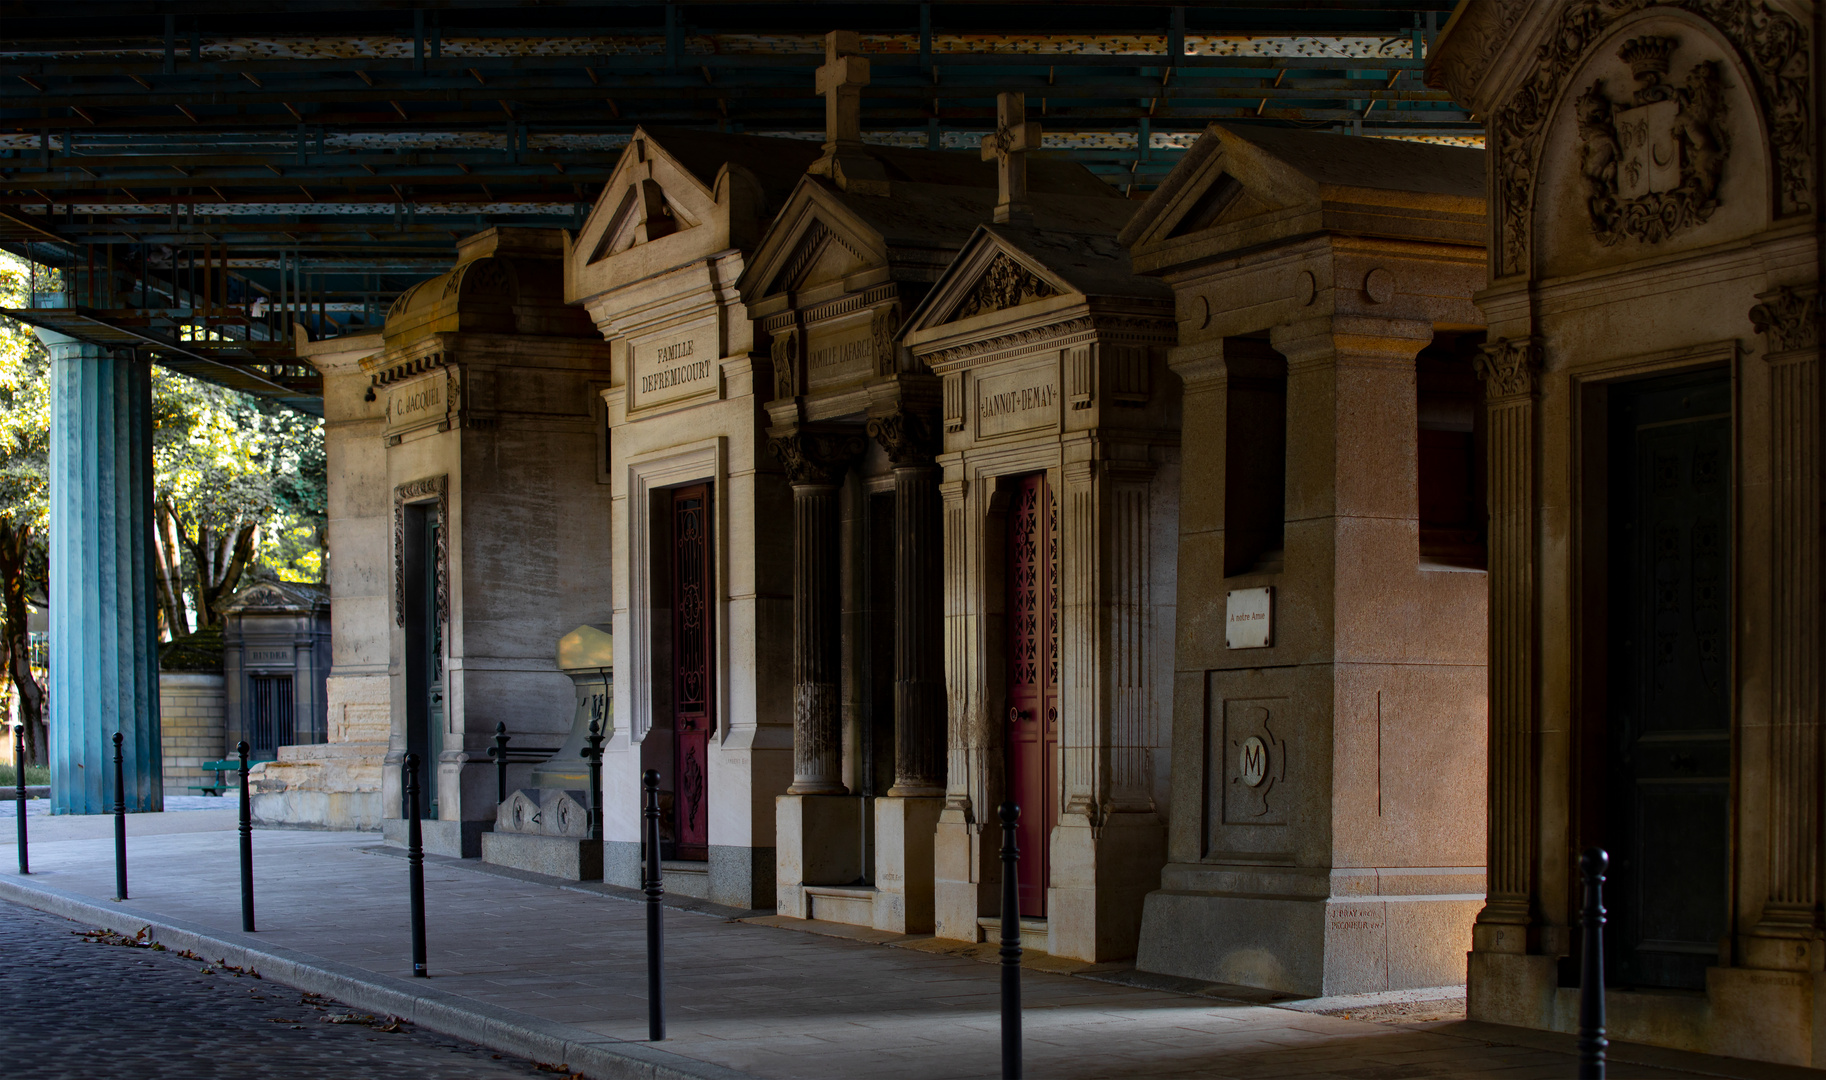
[554,856]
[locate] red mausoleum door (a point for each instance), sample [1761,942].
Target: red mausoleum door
[691,690]
[1033,682]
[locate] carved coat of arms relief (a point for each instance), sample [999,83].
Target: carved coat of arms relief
[1652,162]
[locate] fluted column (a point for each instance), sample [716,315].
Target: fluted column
[1787,319]
[814,466]
[919,675]
[104,660]
[1510,370]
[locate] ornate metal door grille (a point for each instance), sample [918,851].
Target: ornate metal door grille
[692,696]
[1033,681]
[271,699]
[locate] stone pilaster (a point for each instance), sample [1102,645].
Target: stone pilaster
[1510,369]
[104,665]
[814,463]
[1787,318]
[919,676]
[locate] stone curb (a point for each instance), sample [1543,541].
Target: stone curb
[506,1030]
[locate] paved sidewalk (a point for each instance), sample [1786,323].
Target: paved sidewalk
[557,974]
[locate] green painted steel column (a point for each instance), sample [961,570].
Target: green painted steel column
[103,647]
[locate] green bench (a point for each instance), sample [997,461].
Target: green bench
[220,768]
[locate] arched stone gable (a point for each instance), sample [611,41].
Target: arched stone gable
[1775,53]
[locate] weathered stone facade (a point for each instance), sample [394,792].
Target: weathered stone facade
[497,511]
[656,266]
[1654,409]
[1327,748]
[1059,418]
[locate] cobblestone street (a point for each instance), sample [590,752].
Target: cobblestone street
[85,1003]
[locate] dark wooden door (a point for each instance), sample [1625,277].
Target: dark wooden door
[1669,734]
[421,539]
[692,695]
[1033,682]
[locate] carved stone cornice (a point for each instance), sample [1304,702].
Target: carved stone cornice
[816,457]
[1773,44]
[1788,317]
[432,487]
[907,436]
[1068,328]
[1510,368]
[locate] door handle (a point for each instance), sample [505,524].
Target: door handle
[1016,715]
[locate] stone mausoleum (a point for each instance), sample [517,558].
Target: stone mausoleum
[1322,528]
[1652,401]
[1328,701]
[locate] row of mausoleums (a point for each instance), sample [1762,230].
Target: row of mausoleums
[905,483]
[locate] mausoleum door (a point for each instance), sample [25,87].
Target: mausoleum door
[424,649]
[1669,736]
[691,654]
[1033,682]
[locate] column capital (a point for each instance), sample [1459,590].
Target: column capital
[909,437]
[1328,338]
[816,458]
[1788,317]
[1510,367]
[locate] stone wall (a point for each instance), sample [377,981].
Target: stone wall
[191,727]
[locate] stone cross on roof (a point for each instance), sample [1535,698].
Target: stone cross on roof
[840,80]
[1014,135]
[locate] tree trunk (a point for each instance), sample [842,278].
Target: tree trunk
[16,577]
[218,561]
[174,621]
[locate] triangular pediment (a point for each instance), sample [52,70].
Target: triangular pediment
[1224,180]
[989,275]
[648,197]
[814,241]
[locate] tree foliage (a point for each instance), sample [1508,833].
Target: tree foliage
[25,421]
[239,491]
[239,488]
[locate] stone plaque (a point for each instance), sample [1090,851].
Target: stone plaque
[838,355]
[421,402]
[1253,763]
[673,365]
[1018,401]
[1249,618]
[269,656]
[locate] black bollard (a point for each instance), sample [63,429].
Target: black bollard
[1592,1042]
[499,753]
[593,753]
[120,821]
[247,846]
[25,864]
[656,1006]
[1011,945]
[415,868]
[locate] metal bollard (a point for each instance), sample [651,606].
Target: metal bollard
[120,821]
[415,868]
[25,864]
[247,846]
[1011,945]
[1592,1042]
[593,753]
[656,1006]
[499,753]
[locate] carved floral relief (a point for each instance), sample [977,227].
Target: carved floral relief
[1004,284]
